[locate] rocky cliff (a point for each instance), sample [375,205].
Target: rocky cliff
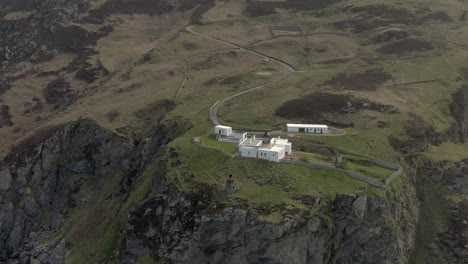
[34,182]
[191,228]
[39,183]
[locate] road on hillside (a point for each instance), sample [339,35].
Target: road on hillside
[215,108]
[290,70]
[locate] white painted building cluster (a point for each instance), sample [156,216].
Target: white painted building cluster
[273,150]
[267,148]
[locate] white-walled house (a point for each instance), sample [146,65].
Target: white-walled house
[275,150]
[249,147]
[307,128]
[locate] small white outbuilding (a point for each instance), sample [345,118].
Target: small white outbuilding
[223,130]
[307,128]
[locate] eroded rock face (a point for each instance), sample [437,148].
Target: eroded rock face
[35,183]
[350,230]
[459,110]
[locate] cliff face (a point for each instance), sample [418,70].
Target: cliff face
[179,227]
[459,110]
[35,183]
[191,229]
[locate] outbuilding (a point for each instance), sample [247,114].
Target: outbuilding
[223,130]
[307,128]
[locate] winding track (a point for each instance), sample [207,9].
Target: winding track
[215,108]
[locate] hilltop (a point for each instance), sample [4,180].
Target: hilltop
[100,101]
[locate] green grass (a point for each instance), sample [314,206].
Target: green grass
[145,186]
[315,158]
[210,141]
[448,151]
[93,227]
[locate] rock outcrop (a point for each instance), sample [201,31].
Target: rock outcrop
[459,111]
[34,182]
[191,229]
[36,190]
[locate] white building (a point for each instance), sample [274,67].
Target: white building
[277,149]
[307,128]
[226,134]
[223,130]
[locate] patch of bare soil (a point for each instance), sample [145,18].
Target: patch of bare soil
[5,117]
[58,92]
[262,8]
[361,81]
[405,47]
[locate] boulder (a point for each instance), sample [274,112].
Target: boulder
[5,180]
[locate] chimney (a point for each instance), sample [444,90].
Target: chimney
[253,137]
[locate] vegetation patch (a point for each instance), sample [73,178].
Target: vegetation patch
[262,8]
[389,35]
[58,92]
[420,134]
[379,15]
[405,47]
[36,106]
[155,112]
[208,63]
[360,24]
[5,117]
[324,106]
[361,81]
[314,106]
[87,74]
[149,7]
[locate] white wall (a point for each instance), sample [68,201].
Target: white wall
[224,131]
[288,148]
[239,136]
[248,152]
[270,155]
[309,130]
